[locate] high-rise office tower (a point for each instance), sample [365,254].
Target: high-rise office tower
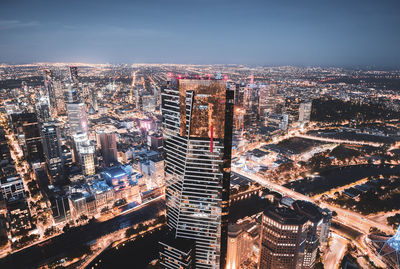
[315,218]
[60,99]
[84,153]
[138,99]
[50,91]
[43,108]
[305,112]
[76,109]
[73,74]
[52,149]
[197,124]
[93,98]
[284,125]
[108,147]
[235,246]
[87,160]
[283,239]
[77,118]
[72,94]
[26,126]
[251,105]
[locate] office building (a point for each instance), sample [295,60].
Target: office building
[292,234]
[284,125]
[60,208]
[326,225]
[87,160]
[197,123]
[283,239]
[305,112]
[84,153]
[72,94]
[77,118]
[73,74]
[77,204]
[12,187]
[19,216]
[43,108]
[123,182]
[156,171]
[235,246]
[52,149]
[314,216]
[60,98]
[26,126]
[5,153]
[50,90]
[108,145]
[155,142]
[177,252]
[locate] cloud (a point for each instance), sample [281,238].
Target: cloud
[13,24]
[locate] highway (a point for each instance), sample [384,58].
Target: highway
[339,141]
[335,253]
[347,217]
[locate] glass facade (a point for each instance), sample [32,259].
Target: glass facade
[197,124]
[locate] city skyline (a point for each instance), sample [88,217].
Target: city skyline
[210,134]
[359,33]
[191,157]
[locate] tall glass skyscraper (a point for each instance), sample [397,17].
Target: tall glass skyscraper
[197,125]
[50,134]
[50,91]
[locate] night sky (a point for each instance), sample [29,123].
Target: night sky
[278,32]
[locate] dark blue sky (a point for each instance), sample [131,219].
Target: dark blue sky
[278,32]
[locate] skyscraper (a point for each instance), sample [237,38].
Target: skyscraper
[77,117]
[26,126]
[235,248]
[84,153]
[305,112]
[76,109]
[43,108]
[108,147]
[52,149]
[72,94]
[291,235]
[197,123]
[73,73]
[50,91]
[283,239]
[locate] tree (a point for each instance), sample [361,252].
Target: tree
[50,231]
[160,219]
[3,240]
[243,188]
[129,232]
[83,218]
[105,210]
[66,228]
[140,227]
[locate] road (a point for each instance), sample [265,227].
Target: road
[335,252]
[347,217]
[339,141]
[57,247]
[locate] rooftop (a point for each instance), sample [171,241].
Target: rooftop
[285,215]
